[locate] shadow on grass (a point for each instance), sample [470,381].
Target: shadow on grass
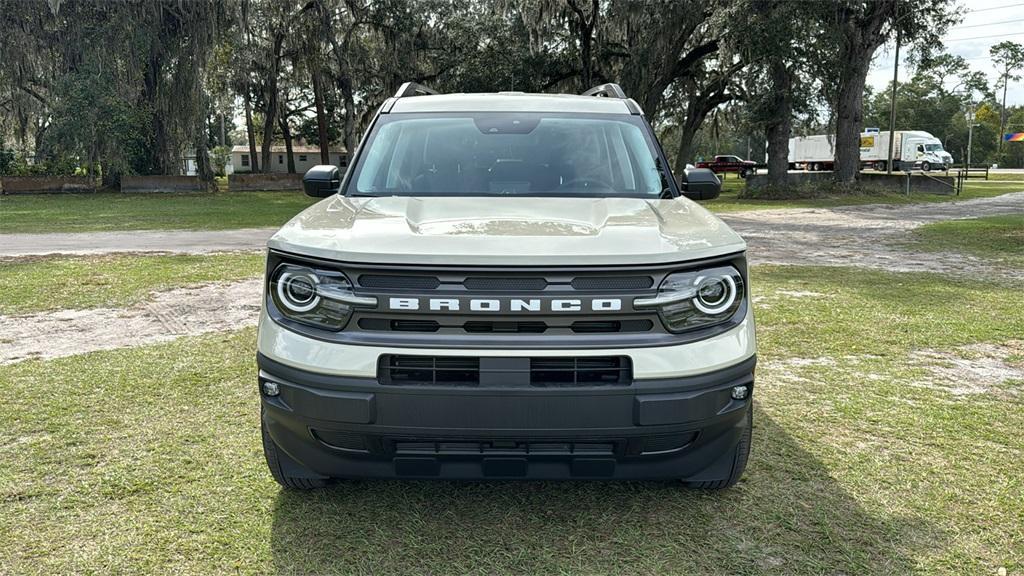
[787,516]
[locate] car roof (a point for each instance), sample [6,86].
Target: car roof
[510,102]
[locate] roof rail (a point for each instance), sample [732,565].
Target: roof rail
[406,90]
[413,89]
[610,90]
[613,90]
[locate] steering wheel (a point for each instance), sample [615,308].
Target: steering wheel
[586,182]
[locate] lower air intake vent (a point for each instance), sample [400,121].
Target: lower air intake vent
[582,371]
[429,370]
[505,327]
[545,372]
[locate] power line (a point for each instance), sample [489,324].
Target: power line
[988,24]
[983,37]
[996,7]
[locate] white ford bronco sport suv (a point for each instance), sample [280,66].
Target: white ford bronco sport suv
[507,286]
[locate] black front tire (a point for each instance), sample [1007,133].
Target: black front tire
[272,454]
[739,463]
[926,167]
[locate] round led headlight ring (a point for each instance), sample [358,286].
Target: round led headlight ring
[298,291]
[715,294]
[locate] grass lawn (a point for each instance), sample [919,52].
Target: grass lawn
[730,201]
[112,211]
[1014,176]
[999,238]
[63,282]
[148,460]
[224,210]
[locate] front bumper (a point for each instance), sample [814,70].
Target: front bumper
[684,427]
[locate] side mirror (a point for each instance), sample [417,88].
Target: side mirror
[700,184]
[321,181]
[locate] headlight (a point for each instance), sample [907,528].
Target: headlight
[696,299]
[320,298]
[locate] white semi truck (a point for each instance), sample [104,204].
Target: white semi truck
[913,149]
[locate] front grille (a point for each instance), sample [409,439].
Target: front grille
[543,372]
[509,283]
[383,324]
[399,282]
[607,326]
[505,284]
[612,283]
[508,327]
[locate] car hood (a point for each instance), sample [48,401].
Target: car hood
[506,231]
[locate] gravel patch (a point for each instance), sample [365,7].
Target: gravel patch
[867,236]
[974,369]
[165,316]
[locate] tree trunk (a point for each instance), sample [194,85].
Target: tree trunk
[586,38]
[687,132]
[697,110]
[270,100]
[780,125]
[321,118]
[850,116]
[286,133]
[348,99]
[203,168]
[251,133]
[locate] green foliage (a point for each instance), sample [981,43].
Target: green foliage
[6,162]
[219,158]
[14,164]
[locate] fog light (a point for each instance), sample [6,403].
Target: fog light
[272,389]
[739,392]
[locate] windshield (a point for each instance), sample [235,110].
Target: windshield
[508,154]
[933,148]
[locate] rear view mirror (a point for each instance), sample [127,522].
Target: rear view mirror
[322,181]
[700,184]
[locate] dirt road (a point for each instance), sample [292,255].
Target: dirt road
[871,236]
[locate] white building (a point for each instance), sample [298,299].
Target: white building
[305,158]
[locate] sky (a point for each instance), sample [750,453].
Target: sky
[996,20]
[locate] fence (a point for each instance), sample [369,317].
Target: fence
[46,184]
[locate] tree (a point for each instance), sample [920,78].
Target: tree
[1008,57]
[861,28]
[779,83]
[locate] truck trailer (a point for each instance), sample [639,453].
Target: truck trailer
[913,149]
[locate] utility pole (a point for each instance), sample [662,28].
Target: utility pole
[892,103]
[1002,113]
[970,132]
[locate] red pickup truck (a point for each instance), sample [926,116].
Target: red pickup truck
[736,164]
